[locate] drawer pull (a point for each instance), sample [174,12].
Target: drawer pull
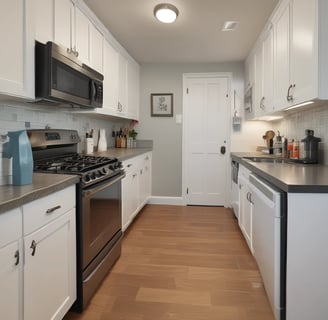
[33,247]
[16,257]
[51,210]
[129,165]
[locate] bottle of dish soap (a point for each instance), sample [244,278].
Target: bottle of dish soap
[19,148]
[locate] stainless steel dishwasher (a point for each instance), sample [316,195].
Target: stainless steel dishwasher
[269,240]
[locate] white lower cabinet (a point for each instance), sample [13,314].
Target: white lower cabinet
[49,269]
[145,179]
[245,206]
[38,258]
[136,187]
[11,265]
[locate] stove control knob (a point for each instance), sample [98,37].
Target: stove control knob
[98,174]
[93,175]
[111,167]
[104,171]
[86,178]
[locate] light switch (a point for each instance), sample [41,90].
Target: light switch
[178,118]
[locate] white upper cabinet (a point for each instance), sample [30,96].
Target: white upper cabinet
[291,65]
[74,30]
[43,20]
[64,23]
[282,56]
[17,53]
[300,51]
[110,79]
[264,75]
[122,85]
[133,90]
[96,49]
[250,85]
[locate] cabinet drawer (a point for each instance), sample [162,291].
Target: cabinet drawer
[130,164]
[10,226]
[40,212]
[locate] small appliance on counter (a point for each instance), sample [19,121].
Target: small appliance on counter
[309,148]
[19,148]
[6,170]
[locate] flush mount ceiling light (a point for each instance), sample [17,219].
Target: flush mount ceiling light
[230,25]
[166,13]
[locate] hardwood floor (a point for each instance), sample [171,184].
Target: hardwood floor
[182,263]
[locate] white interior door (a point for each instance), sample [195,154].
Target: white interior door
[206,110]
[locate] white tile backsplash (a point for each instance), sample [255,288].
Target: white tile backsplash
[293,127]
[14,117]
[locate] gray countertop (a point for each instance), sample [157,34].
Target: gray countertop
[290,177]
[43,184]
[122,153]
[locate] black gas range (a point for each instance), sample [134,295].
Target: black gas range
[56,152]
[98,204]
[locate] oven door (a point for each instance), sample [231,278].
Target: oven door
[101,216]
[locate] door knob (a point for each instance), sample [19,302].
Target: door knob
[223,150]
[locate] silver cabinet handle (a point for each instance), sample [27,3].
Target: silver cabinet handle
[51,210]
[262,106]
[17,257]
[33,247]
[290,96]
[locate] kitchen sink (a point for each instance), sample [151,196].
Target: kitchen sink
[268,160]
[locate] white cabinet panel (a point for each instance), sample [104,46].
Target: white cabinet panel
[11,265]
[133,90]
[110,78]
[82,36]
[64,19]
[17,54]
[96,49]
[49,270]
[43,20]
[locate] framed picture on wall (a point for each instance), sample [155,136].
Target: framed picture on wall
[161,104]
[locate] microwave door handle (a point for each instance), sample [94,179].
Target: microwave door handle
[93,91]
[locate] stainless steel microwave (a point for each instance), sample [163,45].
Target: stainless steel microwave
[60,77]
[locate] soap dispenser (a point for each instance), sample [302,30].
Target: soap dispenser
[19,148]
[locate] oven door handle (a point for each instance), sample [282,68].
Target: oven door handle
[102,186]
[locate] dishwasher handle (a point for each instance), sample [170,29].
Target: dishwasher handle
[262,187]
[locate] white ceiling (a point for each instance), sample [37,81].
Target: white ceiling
[195,36]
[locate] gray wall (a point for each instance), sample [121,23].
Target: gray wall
[167,134]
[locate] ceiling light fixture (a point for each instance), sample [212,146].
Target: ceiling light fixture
[166,13]
[230,25]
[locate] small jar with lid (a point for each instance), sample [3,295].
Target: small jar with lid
[310,147]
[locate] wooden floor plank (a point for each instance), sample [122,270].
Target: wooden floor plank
[181,263]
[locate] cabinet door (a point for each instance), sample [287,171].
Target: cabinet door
[250,82]
[122,84]
[110,78]
[11,265]
[258,85]
[44,20]
[96,49]
[282,56]
[304,59]
[49,270]
[64,17]
[82,36]
[267,72]
[245,210]
[17,53]
[144,179]
[133,90]
[10,277]
[130,191]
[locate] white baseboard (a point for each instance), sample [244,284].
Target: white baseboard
[174,201]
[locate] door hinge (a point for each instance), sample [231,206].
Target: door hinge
[187,190]
[187,90]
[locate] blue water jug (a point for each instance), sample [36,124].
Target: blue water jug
[19,148]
